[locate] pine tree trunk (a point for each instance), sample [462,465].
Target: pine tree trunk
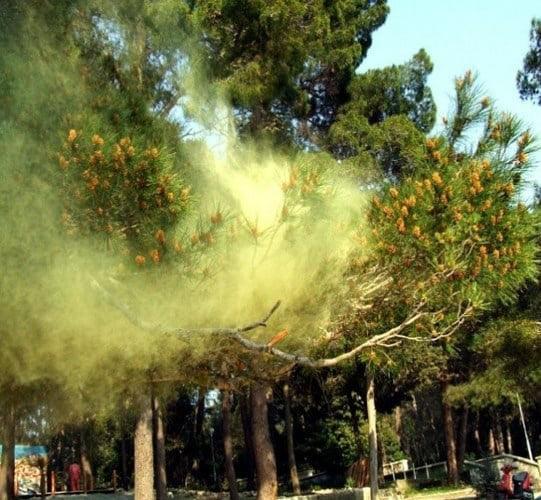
[124,462]
[372,436]
[398,420]
[462,437]
[477,435]
[86,467]
[49,473]
[160,477]
[265,461]
[42,479]
[245,414]
[354,417]
[197,430]
[450,439]
[139,43]
[200,412]
[491,442]
[508,438]
[7,468]
[498,435]
[228,446]
[143,451]
[295,484]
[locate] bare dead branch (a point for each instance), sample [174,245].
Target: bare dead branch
[376,340]
[390,338]
[128,312]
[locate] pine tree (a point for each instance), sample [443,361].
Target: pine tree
[461,218]
[529,78]
[381,128]
[283,61]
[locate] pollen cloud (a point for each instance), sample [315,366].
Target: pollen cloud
[257,226]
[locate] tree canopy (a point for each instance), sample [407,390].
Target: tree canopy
[214,196]
[529,77]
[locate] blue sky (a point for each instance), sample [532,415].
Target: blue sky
[489,37]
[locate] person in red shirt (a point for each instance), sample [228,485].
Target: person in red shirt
[506,483]
[74,473]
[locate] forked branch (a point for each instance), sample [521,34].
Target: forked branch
[390,338]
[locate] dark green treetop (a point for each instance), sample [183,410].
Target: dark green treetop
[529,78]
[280,61]
[384,122]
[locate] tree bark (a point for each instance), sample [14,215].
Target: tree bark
[372,436]
[160,477]
[86,467]
[477,435]
[124,462]
[200,412]
[228,446]
[197,430]
[7,468]
[42,479]
[295,484]
[450,439]
[398,420]
[462,437]
[245,414]
[143,451]
[508,438]
[498,435]
[139,43]
[265,461]
[491,442]
[354,415]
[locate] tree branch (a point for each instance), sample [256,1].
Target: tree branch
[127,311]
[389,338]
[377,340]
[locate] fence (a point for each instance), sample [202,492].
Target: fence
[403,469]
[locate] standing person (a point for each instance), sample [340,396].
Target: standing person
[74,473]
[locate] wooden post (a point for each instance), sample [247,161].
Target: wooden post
[523,421]
[427,473]
[414,472]
[53,483]
[114,480]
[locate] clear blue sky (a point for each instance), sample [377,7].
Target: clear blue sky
[489,37]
